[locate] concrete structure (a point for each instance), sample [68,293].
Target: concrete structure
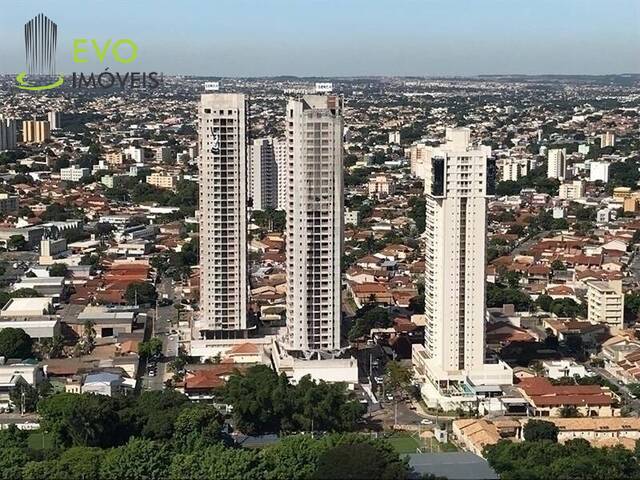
[223,214]
[8,133]
[351,217]
[314,223]
[163,154]
[102,383]
[394,137]
[381,186]
[333,370]
[419,156]
[263,174]
[35,131]
[36,327]
[607,139]
[11,374]
[163,181]
[599,171]
[8,203]
[557,369]
[74,173]
[135,154]
[459,177]
[27,307]
[115,158]
[571,190]
[281,155]
[55,120]
[52,248]
[606,303]
[514,168]
[557,163]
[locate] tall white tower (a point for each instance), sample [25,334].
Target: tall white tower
[314,128]
[557,163]
[458,179]
[223,214]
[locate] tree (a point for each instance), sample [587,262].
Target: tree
[25,293]
[140,293]
[80,419]
[397,377]
[16,243]
[151,348]
[78,463]
[357,457]
[52,347]
[154,413]
[139,458]
[544,302]
[295,458]
[216,463]
[418,212]
[12,459]
[200,425]
[536,430]
[24,396]
[558,265]
[368,317]
[264,402]
[58,270]
[15,343]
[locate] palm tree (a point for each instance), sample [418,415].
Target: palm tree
[88,336]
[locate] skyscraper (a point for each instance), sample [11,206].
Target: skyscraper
[8,133]
[557,163]
[458,179]
[35,131]
[223,215]
[281,156]
[55,121]
[263,174]
[314,223]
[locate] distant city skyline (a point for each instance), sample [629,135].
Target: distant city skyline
[241,38]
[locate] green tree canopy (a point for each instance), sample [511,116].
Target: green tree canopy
[15,343]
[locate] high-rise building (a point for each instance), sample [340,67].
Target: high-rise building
[514,168]
[557,163]
[263,174]
[607,139]
[35,131]
[314,128]
[606,303]
[281,156]
[599,171]
[136,154]
[459,177]
[223,215]
[571,190]
[55,121]
[161,180]
[8,133]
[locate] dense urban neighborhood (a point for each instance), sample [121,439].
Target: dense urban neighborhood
[295,278]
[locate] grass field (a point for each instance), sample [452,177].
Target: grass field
[403,442]
[39,440]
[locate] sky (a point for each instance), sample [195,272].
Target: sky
[232,38]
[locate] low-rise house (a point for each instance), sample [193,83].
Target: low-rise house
[548,400]
[12,374]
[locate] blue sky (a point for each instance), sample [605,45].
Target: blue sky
[343,37]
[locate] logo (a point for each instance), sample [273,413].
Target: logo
[40,43]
